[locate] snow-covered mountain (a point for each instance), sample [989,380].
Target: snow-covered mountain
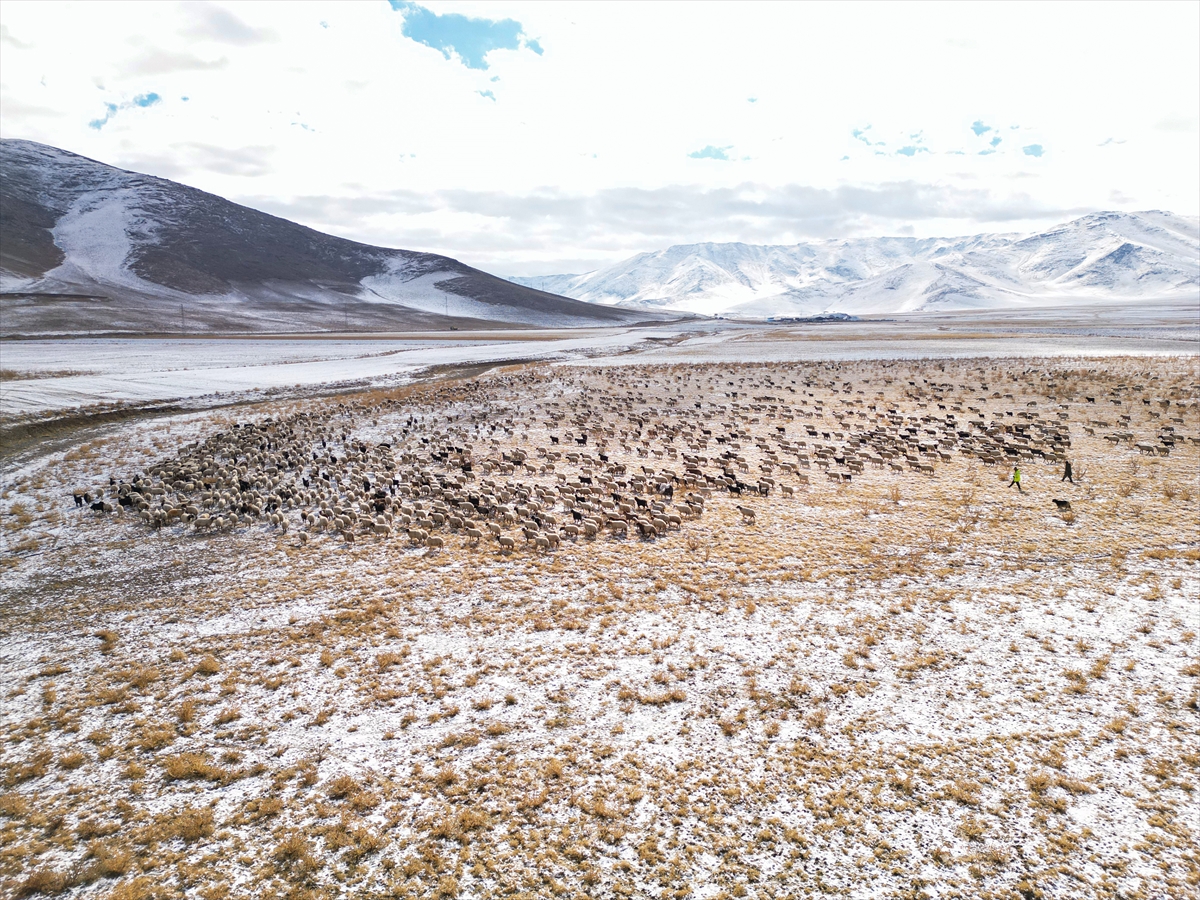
[85,247]
[1098,257]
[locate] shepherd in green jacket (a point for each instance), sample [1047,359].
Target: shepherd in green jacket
[1016,479]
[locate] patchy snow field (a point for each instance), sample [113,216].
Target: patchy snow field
[48,377]
[51,376]
[894,684]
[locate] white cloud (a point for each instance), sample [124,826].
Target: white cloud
[162,62]
[7,37]
[209,20]
[594,134]
[187,158]
[514,233]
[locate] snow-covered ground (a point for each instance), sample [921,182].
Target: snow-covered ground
[110,370]
[900,684]
[53,375]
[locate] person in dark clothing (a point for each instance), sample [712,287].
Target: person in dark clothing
[1067,476]
[1016,479]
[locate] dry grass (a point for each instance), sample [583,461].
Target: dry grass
[896,684]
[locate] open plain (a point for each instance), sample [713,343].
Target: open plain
[686,623]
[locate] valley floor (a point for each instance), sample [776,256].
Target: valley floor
[898,684]
[44,378]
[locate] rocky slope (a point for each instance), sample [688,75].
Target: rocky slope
[1106,256]
[85,247]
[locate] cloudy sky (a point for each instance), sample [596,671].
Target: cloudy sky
[537,138]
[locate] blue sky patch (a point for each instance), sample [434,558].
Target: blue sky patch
[979,128]
[711,152]
[487,94]
[1032,150]
[911,150]
[995,142]
[111,109]
[861,135]
[453,34]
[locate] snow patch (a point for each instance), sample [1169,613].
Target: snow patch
[1108,256]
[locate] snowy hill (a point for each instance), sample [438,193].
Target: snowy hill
[1097,257]
[85,247]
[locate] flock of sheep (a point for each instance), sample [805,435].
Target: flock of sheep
[539,457]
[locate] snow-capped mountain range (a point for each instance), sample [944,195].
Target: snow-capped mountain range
[1106,256]
[85,247]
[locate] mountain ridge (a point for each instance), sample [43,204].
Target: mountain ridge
[85,246]
[1108,255]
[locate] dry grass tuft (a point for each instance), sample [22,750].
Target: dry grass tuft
[932,670]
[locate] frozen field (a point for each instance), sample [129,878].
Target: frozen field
[44,377]
[891,675]
[58,375]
